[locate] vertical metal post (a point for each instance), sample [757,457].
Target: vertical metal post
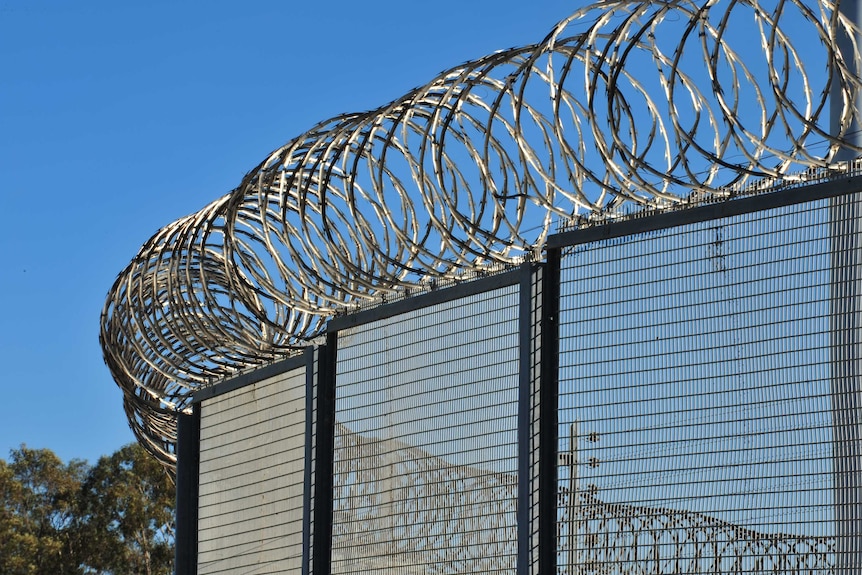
[548,423]
[574,511]
[846,322]
[311,361]
[526,317]
[324,458]
[188,470]
[852,133]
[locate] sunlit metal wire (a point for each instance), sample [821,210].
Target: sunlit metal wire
[625,105]
[425,512]
[440,514]
[620,538]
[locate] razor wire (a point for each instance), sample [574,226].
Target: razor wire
[618,538]
[625,106]
[397,506]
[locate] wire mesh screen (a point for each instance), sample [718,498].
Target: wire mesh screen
[426,442]
[252,475]
[699,412]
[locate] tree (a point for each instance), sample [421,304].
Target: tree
[17,546]
[115,517]
[129,503]
[39,513]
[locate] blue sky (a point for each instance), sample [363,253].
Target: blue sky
[116,118]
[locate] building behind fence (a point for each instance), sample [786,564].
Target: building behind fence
[673,393]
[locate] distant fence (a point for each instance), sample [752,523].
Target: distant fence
[618,538]
[400,507]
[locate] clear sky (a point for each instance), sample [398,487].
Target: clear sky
[116,118]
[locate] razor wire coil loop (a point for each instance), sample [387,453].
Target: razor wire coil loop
[470,171]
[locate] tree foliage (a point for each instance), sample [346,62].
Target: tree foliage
[115,517]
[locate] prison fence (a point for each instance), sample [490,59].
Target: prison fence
[671,394]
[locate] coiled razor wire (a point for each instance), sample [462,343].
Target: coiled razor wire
[626,105]
[462,516]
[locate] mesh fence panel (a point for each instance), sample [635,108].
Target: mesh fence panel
[426,440]
[696,402]
[252,470]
